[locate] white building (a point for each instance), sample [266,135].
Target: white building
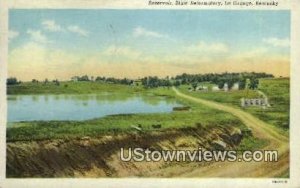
[225,88]
[215,88]
[263,102]
[235,86]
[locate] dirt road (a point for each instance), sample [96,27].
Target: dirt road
[260,129]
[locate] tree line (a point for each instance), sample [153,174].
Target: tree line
[220,79]
[249,79]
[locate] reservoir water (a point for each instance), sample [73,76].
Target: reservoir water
[83,107]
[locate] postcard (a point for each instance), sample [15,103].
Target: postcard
[154,93]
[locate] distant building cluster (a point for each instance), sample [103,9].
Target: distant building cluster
[215,88]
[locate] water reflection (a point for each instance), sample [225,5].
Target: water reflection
[82,107]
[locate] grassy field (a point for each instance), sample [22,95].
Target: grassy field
[69,88]
[232,98]
[277,91]
[40,130]
[197,115]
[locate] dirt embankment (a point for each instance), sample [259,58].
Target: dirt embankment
[99,157]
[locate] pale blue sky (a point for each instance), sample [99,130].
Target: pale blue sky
[107,27]
[152,33]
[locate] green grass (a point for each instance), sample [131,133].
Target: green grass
[229,97]
[199,115]
[40,130]
[69,88]
[276,89]
[251,143]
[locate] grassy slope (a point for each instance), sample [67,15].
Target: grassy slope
[276,89]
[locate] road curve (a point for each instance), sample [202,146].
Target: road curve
[260,129]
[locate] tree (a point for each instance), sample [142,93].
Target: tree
[194,85]
[56,82]
[177,83]
[253,83]
[216,77]
[84,78]
[34,81]
[230,83]
[46,81]
[98,78]
[221,84]
[242,83]
[12,81]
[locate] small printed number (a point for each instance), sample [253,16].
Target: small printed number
[279,181]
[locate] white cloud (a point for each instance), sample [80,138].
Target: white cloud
[50,25]
[31,52]
[76,29]
[12,34]
[123,51]
[252,54]
[276,42]
[203,47]
[35,60]
[140,32]
[37,36]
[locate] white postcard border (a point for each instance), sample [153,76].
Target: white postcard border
[293,181]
